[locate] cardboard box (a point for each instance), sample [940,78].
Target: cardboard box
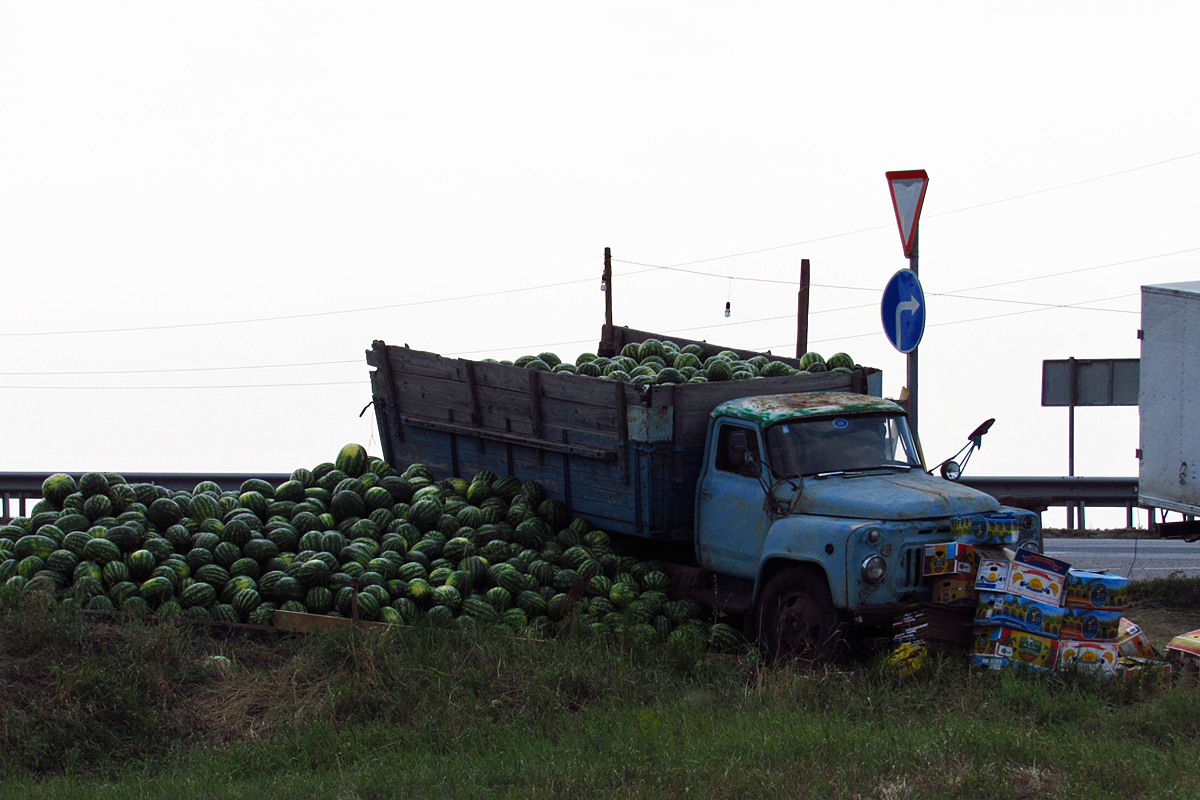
[950,558]
[1133,642]
[1144,669]
[992,575]
[1186,644]
[1097,590]
[1001,608]
[1037,577]
[1099,656]
[989,530]
[950,589]
[1085,624]
[1000,646]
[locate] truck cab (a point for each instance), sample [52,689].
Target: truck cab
[814,508]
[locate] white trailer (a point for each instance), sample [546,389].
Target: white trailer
[1169,404]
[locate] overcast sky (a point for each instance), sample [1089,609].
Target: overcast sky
[208,211]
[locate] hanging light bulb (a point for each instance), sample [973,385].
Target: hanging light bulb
[727,308]
[603,284]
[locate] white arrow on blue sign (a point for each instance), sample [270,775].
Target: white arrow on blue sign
[903,311]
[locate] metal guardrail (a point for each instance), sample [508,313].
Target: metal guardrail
[1038,494]
[19,491]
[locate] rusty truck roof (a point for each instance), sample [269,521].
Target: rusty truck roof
[767,409]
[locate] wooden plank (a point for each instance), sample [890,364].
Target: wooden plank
[615,337]
[299,622]
[462,429]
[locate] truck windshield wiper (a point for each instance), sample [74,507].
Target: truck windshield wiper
[854,471]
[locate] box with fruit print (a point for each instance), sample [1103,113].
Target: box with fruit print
[1001,647]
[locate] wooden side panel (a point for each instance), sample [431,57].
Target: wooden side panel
[570,434]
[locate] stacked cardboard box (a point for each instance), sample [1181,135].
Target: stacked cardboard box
[1020,609]
[1019,612]
[935,626]
[1092,624]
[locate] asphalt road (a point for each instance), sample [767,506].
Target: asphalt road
[1136,559]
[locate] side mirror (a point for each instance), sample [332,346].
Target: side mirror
[951,469]
[978,433]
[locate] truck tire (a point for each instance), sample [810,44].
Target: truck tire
[796,618]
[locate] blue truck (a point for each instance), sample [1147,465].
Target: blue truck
[800,504]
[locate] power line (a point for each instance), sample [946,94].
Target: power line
[181,369]
[284,317]
[1076,271]
[971,289]
[1067,185]
[1081,306]
[937,214]
[205,386]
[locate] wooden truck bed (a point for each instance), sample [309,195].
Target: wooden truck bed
[625,458]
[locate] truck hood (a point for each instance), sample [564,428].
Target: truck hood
[890,496]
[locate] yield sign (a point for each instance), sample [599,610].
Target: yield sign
[903,311]
[908,193]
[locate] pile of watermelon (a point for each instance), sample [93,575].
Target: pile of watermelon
[656,361]
[352,537]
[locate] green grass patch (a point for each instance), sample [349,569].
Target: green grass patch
[138,709]
[1171,592]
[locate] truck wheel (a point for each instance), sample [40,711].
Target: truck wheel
[796,617]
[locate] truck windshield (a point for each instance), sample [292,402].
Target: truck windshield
[841,444]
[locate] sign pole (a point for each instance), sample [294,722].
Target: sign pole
[908,195]
[912,356]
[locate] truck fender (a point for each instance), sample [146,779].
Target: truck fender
[786,544]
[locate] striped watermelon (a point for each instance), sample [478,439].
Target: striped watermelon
[99,550]
[368,606]
[245,601]
[198,594]
[318,600]
[499,598]
[57,487]
[352,460]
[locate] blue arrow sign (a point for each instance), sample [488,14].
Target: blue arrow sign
[903,311]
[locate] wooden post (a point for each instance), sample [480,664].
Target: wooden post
[607,281]
[802,310]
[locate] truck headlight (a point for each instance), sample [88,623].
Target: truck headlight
[873,569]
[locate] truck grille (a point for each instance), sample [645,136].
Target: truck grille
[912,565]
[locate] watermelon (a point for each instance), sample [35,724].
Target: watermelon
[198,594]
[318,600]
[213,574]
[245,601]
[245,566]
[224,612]
[352,460]
[719,370]
[724,638]
[93,483]
[157,589]
[57,487]
[840,360]
[810,358]
[499,598]
[203,506]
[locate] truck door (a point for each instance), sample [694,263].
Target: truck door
[731,524]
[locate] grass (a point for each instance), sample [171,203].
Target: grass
[137,709]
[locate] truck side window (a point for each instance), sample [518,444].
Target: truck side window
[730,442]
